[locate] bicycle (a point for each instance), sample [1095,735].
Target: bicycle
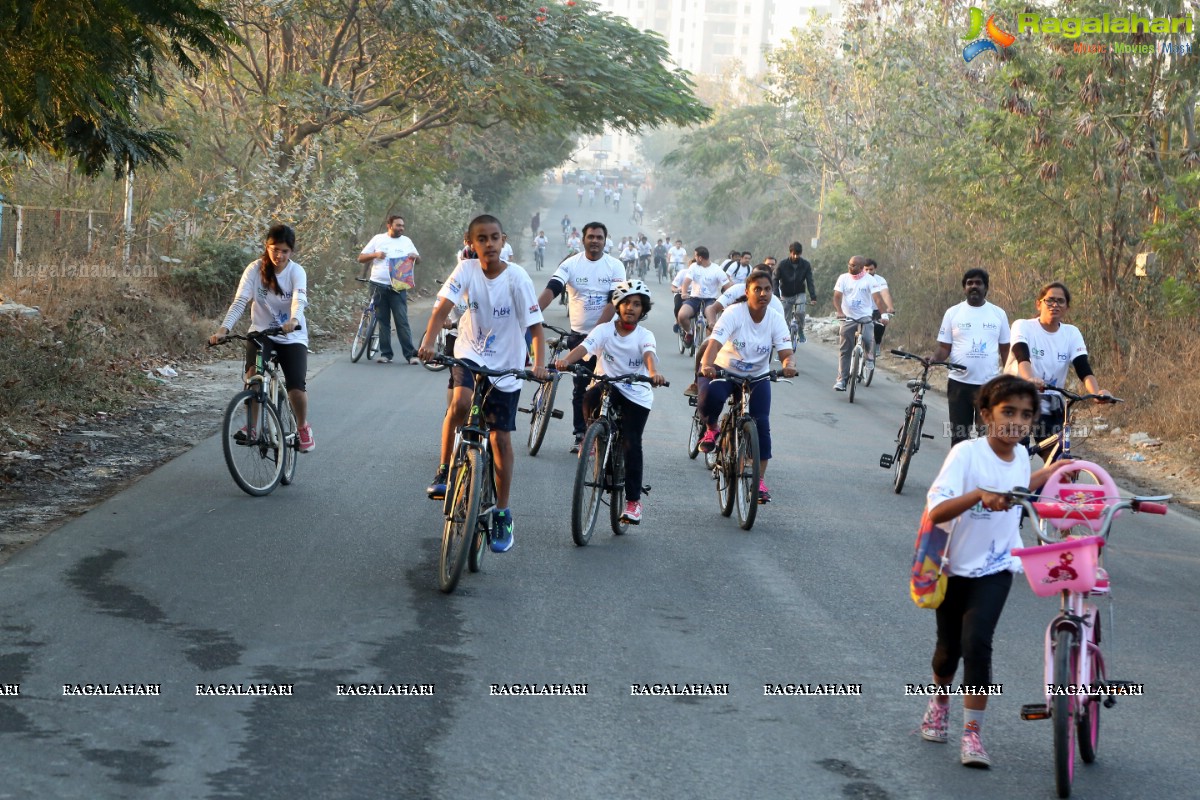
[439,348]
[366,337]
[601,467]
[698,331]
[696,433]
[862,369]
[258,431]
[736,465]
[470,484]
[1076,676]
[908,440]
[541,409]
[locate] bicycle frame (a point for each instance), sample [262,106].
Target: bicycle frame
[1057,446]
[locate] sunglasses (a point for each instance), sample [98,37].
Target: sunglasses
[1054,301]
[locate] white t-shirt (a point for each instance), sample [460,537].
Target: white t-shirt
[397,248]
[499,310]
[880,285]
[975,334]
[540,242]
[629,253]
[506,252]
[738,291]
[1050,354]
[856,294]
[746,344]
[621,355]
[677,255]
[737,271]
[981,541]
[270,310]
[574,244]
[677,281]
[707,282]
[588,285]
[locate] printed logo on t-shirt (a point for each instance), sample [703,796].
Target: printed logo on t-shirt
[502,312]
[454,286]
[533,309]
[991,326]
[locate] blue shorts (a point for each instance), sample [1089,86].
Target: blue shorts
[695,302]
[499,408]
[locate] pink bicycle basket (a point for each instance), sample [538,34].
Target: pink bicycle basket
[1062,566]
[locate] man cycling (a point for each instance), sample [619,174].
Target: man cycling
[702,283]
[852,297]
[588,279]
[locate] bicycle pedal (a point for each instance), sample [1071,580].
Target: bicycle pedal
[886,460]
[1035,711]
[692,401]
[645,490]
[525,410]
[556,414]
[926,435]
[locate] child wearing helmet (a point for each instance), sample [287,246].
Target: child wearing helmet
[622,346]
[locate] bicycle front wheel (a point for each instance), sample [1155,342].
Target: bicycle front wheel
[1088,724]
[868,371]
[746,471]
[852,379]
[483,523]
[362,336]
[291,443]
[724,468]
[440,349]
[252,438]
[589,482]
[910,439]
[1062,711]
[694,436]
[539,414]
[464,488]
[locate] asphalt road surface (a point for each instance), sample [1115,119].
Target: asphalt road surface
[182,581]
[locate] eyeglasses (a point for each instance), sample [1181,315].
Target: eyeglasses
[1054,301]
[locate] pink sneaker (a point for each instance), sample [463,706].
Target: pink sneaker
[307,442]
[934,723]
[973,754]
[632,513]
[708,442]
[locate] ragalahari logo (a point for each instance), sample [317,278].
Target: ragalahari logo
[993,36]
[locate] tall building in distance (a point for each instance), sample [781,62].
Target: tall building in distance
[704,37]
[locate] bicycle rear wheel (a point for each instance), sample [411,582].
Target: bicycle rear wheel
[1088,727]
[539,413]
[255,461]
[362,336]
[746,473]
[694,435]
[1062,711]
[464,489]
[291,443]
[616,492]
[589,482]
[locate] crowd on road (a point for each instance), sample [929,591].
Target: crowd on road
[738,317]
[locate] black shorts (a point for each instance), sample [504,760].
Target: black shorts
[499,408]
[293,360]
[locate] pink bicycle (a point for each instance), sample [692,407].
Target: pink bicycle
[1068,564]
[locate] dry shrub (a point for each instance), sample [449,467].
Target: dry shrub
[89,350]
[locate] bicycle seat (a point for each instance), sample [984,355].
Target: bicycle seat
[1081,503]
[915,384]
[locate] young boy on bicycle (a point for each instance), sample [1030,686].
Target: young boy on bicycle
[621,346]
[501,305]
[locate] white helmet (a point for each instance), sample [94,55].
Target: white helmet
[626,288]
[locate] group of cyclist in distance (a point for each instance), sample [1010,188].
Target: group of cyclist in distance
[499,318]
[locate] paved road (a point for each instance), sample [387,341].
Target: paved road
[183,580]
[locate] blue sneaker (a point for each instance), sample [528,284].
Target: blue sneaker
[437,489]
[502,531]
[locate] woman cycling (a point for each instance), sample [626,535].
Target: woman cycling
[276,289]
[622,346]
[744,336]
[984,530]
[1043,350]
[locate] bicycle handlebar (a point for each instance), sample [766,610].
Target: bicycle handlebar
[276,331]
[774,376]
[927,363]
[451,361]
[1102,508]
[631,377]
[1078,398]
[559,331]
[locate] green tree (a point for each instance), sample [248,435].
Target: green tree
[72,73]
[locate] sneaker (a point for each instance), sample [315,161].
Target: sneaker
[708,442]
[575,446]
[801,338]
[502,531]
[243,436]
[691,391]
[308,442]
[839,386]
[973,754]
[675,328]
[764,494]
[933,724]
[689,340]
[632,513]
[414,360]
[383,360]
[437,489]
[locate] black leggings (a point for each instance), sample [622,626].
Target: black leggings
[963,414]
[293,361]
[633,422]
[966,622]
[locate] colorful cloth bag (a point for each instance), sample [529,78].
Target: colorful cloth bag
[401,270]
[930,562]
